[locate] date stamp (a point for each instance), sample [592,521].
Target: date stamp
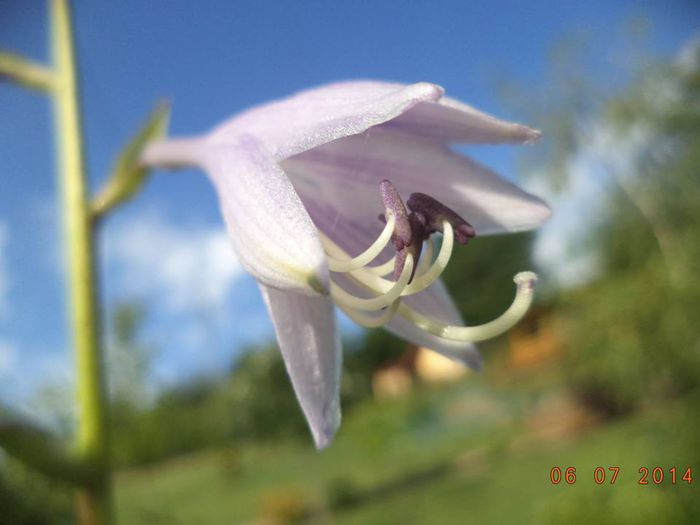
[653,475]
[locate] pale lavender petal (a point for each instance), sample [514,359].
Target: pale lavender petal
[310,345]
[465,353]
[317,116]
[452,121]
[339,184]
[273,235]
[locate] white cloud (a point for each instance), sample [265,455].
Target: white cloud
[561,248]
[186,267]
[4,274]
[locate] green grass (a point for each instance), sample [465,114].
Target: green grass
[459,455]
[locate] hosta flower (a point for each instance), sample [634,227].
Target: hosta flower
[333,197]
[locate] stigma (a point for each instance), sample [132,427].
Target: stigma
[414,266]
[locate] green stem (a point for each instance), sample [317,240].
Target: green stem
[93,500]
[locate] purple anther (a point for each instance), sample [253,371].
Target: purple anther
[392,201]
[435,213]
[418,231]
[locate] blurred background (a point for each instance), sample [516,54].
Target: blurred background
[604,372]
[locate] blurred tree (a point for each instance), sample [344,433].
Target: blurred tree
[261,399]
[129,357]
[633,333]
[29,498]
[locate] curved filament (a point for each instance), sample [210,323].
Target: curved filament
[337,265]
[372,321]
[426,258]
[346,299]
[433,273]
[381,285]
[518,308]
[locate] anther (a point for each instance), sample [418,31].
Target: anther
[417,223]
[436,213]
[392,202]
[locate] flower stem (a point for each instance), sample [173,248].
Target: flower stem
[94,498]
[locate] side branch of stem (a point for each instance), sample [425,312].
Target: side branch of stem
[25,72]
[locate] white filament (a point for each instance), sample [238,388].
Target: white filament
[426,258]
[381,285]
[346,299]
[518,308]
[372,321]
[337,265]
[433,273]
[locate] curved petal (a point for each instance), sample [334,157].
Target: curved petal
[318,116]
[449,120]
[339,183]
[465,353]
[310,345]
[273,235]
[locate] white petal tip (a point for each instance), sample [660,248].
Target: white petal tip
[324,431]
[539,212]
[525,278]
[467,356]
[528,135]
[428,91]
[472,360]
[525,281]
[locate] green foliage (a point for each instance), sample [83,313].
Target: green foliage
[387,467]
[28,498]
[254,403]
[632,335]
[263,404]
[284,506]
[129,357]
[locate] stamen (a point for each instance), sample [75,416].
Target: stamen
[392,202]
[372,321]
[517,310]
[435,271]
[426,258]
[345,298]
[369,254]
[382,285]
[418,228]
[407,232]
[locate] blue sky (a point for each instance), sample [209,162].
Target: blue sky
[167,250]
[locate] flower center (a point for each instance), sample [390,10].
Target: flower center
[414,269]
